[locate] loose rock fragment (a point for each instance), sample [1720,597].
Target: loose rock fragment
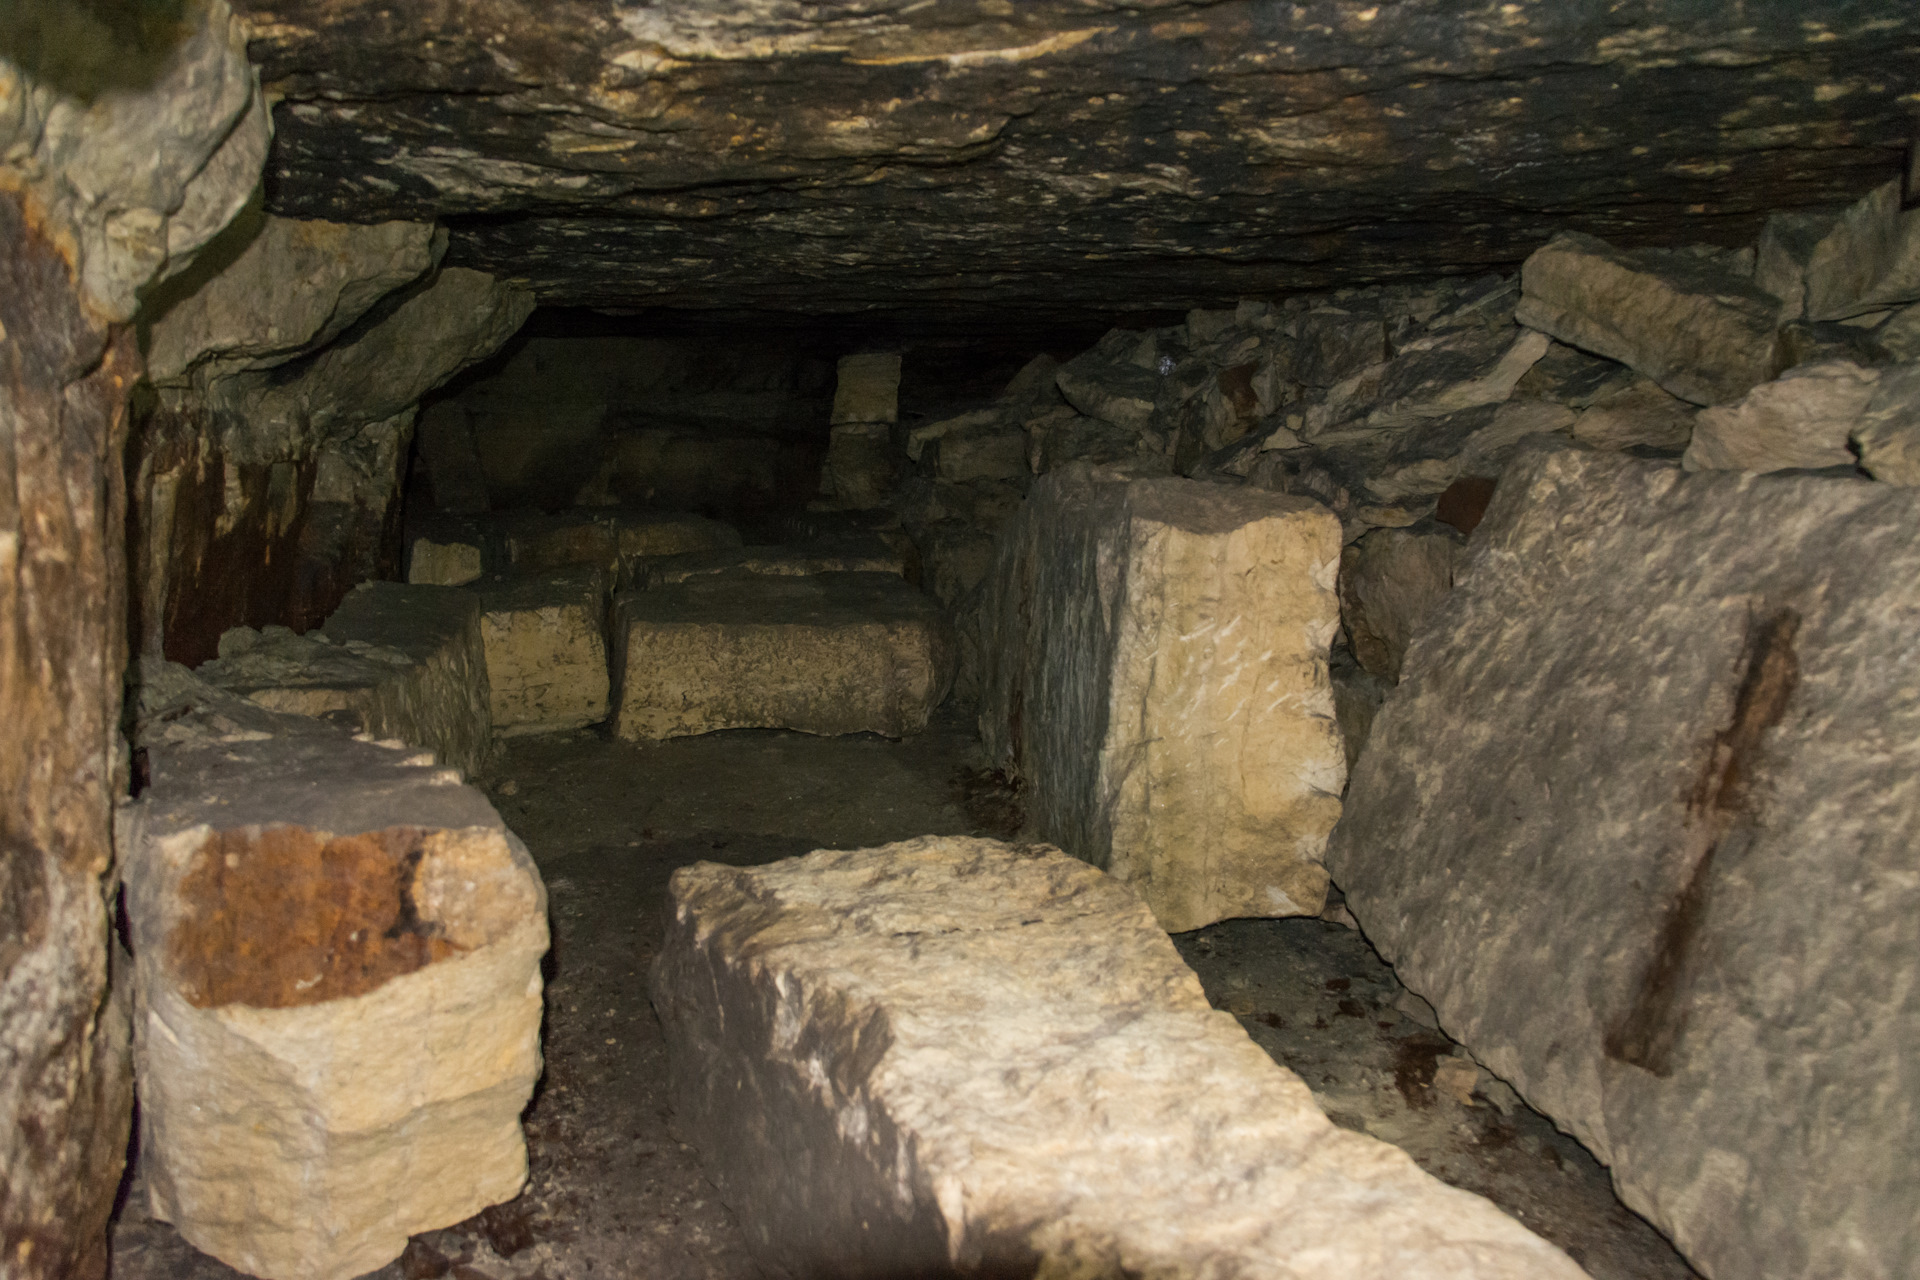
[338,997]
[546,650]
[1156,674]
[1697,329]
[828,653]
[1616,909]
[1868,260]
[1888,433]
[1802,420]
[1391,581]
[954,1056]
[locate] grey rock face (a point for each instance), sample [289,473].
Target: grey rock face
[1869,259]
[958,1057]
[1697,329]
[1390,582]
[1801,420]
[1639,822]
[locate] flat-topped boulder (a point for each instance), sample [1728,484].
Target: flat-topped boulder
[399,661]
[867,553]
[337,988]
[824,653]
[958,1057]
[546,649]
[1640,822]
[1156,674]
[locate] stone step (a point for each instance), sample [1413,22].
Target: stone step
[546,649]
[828,653]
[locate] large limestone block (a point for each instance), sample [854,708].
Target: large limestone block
[1801,420]
[868,389]
[337,997]
[615,541]
[1157,675]
[400,661]
[953,1056]
[1696,328]
[1640,822]
[826,653]
[546,650]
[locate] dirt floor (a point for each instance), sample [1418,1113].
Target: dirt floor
[614,1194]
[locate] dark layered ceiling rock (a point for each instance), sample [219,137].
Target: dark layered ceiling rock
[931,157]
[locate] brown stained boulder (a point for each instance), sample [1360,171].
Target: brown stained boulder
[1701,331]
[337,987]
[956,1057]
[1156,674]
[1639,822]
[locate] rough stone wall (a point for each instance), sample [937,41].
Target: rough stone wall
[104,186]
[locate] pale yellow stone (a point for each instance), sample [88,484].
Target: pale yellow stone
[442,564]
[546,651]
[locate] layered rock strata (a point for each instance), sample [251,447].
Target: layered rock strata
[337,990]
[827,653]
[1156,674]
[546,650]
[1639,822]
[396,661]
[959,1057]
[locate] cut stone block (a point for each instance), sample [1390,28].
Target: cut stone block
[1391,581]
[1697,329]
[443,564]
[868,389]
[958,1057]
[860,466]
[337,997]
[1639,821]
[1869,260]
[867,553]
[1156,674]
[828,653]
[404,662]
[1888,433]
[546,650]
[1787,245]
[1802,420]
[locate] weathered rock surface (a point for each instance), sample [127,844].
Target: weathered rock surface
[621,542]
[826,653]
[1888,433]
[1869,259]
[1615,909]
[120,162]
[338,991]
[1391,581]
[443,564]
[1801,420]
[546,650]
[860,466]
[953,1056]
[1156,674]
[1639,414]
[401,662]
[924,161]
[868,389]
[1696,328]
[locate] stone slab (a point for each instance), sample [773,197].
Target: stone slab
[826,653]
[1888,433]
[1639,821]
[398,661]
[1156,674]
[337,990]
[1391,581]
[959,1057]
[868,389]
[545,637]
[853,553]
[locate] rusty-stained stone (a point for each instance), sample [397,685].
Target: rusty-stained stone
[1066,156]
[64,1085]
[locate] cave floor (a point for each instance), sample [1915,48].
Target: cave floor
[614,1194]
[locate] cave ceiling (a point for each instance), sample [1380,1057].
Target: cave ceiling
[1065,158]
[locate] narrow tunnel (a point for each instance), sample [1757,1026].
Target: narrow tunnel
[1094,639]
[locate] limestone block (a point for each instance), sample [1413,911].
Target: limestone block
[1639,821]
[1109,389]
[865,553]
[546,649]
[1156,673]
[860,466]
[828,653]
[1391,582]
[1638,414]
[442,564]
[403,662]
[1455,369]
[1870,259]
[1787,245]
[868,390]
[988,452]
[959,1057]
[1888,433]
[1801,420]
[614,541]
[337,998]
[1357,695]
[1697,329]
